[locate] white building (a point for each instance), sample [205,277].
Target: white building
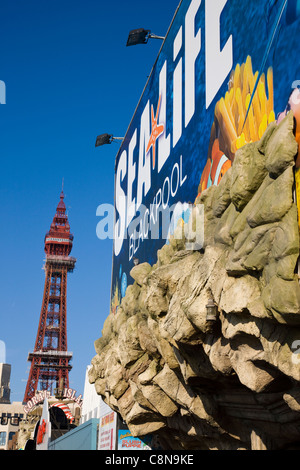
[94,407]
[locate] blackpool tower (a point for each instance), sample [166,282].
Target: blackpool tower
[50,360]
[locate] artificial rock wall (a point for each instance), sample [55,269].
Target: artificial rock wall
[233,383]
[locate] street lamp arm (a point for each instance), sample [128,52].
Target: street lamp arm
[154,36]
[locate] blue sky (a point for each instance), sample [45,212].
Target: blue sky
[69,77]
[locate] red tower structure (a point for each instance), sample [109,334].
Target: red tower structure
[50,360]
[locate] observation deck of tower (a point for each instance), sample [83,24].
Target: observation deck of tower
[50,359]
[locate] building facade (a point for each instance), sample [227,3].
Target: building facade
[11,415]
[5,370]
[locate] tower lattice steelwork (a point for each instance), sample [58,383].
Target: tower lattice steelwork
[50,360]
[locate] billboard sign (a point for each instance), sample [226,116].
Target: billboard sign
[225,70]
[126,441]
[107,431]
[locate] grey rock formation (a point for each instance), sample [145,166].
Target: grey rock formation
[232,383]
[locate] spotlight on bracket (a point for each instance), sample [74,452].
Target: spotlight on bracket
[104,139]
[141,36]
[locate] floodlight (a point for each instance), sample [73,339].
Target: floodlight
[140,36]
[104,139]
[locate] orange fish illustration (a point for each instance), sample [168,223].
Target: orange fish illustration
[215,168]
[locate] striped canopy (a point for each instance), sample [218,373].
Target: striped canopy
[65,409]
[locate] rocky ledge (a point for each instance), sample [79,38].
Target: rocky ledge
[232,382]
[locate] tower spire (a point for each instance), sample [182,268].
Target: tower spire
[59,240]
[50,360]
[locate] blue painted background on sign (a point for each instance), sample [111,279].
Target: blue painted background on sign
[255,33]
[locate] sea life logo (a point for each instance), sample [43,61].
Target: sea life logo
[157,130]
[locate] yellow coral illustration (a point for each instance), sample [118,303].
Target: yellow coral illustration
[232,109]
